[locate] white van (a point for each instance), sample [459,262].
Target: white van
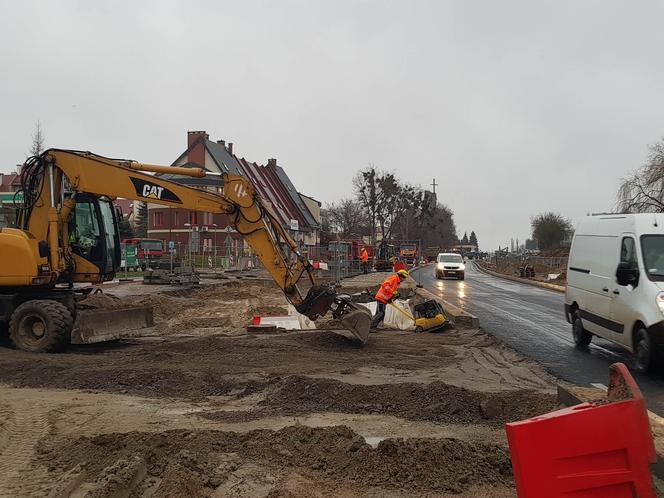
[615,284]
[450,264]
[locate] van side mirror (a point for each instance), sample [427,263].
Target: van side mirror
[626,274]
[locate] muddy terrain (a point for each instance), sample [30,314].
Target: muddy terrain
[201,407]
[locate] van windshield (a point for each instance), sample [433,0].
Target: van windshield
[653,256]
[450,258]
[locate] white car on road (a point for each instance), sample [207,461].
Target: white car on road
[450,264]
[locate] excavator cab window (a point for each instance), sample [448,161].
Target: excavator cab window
[93,233]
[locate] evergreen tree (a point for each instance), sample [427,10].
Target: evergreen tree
[141,223]
[550,229]
[38,139]
[464,241]
[473,240]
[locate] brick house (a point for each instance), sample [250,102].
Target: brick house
[9,184]
[206,230]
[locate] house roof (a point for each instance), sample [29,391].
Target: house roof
[7,181]
[271,182]
[295,196]
[227,163]
[266,190]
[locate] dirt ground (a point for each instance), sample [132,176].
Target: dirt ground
[203,408]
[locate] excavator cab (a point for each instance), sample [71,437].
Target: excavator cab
[93,233]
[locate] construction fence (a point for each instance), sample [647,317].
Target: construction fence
[511,263]
[237,257]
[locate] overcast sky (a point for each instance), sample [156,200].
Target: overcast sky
[515,107]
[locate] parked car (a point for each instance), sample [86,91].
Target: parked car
[449,264]
[615,284]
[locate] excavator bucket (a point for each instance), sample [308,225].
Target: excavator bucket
[357,319]
[99,325]
[321,299]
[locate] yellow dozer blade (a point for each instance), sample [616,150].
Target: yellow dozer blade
[99,325]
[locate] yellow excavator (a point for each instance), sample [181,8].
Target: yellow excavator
[67,233]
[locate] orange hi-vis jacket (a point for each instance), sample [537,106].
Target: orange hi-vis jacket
[364,256]
[388,288]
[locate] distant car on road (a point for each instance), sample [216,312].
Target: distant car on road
[615,284]
[449,264]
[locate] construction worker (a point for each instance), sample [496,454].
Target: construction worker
[386,294]
[364,259]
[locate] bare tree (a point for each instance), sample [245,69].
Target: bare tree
[643,190]
[367,192]
[38,140]
[347,217]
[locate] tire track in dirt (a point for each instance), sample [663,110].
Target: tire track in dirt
[19,435]
[498,365]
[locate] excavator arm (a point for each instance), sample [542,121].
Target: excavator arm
[53,182]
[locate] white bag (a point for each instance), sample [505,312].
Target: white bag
[396,319]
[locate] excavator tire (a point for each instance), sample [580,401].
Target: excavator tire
[41,326]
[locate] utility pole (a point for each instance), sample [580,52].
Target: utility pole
[434,186]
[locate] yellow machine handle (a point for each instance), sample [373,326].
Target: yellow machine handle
[402,311]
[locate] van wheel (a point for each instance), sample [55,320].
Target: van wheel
[644,352]
[581,336]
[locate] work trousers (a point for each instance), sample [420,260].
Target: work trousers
[379,316]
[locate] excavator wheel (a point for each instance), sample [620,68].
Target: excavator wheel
[41,326]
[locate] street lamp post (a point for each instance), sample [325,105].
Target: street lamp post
[214,244]
[188,225]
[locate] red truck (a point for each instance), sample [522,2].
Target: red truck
[146,250]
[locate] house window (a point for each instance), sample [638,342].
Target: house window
[176,218]
[158,219]
[207,219]
[193,218]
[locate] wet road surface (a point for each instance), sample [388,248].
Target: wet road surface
[532,321]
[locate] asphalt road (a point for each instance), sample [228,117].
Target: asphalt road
[532,321]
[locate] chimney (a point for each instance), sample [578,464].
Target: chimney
[272,163]
[221,142]
[192,136]
[230,147]
[196,146]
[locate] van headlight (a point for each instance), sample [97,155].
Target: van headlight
[660,302]
[462,267]
[439,266]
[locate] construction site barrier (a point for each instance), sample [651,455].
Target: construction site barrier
[588,450]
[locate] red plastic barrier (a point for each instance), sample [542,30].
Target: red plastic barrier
[589,450]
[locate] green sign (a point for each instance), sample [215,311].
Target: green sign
[129,256]
[7,198]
